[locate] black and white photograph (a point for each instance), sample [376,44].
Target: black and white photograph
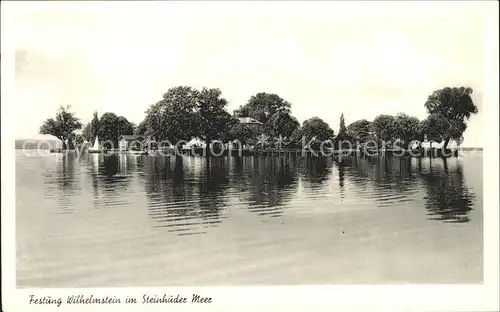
[239,143]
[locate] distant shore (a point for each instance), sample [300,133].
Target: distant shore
[53,144]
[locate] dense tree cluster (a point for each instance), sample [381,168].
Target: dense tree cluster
[185,112]
[63,126]
[273,112]
[448,109]
[108,128]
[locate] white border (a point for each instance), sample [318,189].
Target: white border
[337,298]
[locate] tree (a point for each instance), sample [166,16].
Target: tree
[454,105]
[153,124]
[296,138]
[273,111]
[177,114]
[282,124]
[111,127]
[316,128]
[62,126]
[90,131]
[124,126]
[242,111]
[94,126]
[79,139]
[108,131]
[185,112]
[87,132]
[342,128]
[173,117]
[406,129]
[359,131]
[263,106]
[142,127]
[214,122]
[243,134]
[342,136]
[383,128]
[433,128]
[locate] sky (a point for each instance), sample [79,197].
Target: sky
[325,58]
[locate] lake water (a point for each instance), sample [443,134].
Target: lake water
[118,220]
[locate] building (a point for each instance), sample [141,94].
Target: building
[252,123]
[130,142]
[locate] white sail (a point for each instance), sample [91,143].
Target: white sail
[96,144]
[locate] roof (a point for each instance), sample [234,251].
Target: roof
[130,137]
[194,142]
[249,120]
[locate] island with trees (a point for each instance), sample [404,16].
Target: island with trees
[184,113]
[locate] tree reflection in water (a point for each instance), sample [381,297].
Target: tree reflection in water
[62,182]
[189,194]
[341,167]
[110,168]
[355,168]
[386,180]
[93,169]
[316,171]
[393,180]
[186,194]
[266,183]
[212,187]
[63,175]
[109,179]
[448,198]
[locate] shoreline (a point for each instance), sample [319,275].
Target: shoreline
[200,152]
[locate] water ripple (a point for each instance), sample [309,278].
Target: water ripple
[239,215]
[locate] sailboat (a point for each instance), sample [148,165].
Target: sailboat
[96,148]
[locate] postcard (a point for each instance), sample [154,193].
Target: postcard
[243,156]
